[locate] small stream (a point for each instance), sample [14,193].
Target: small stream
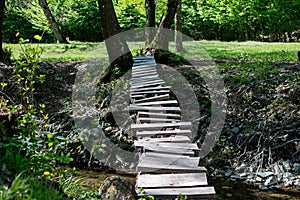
[226,190]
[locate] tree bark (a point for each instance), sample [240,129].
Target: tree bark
[178,28]
[2,5]
[150,20]
[54,26]
[118,51]
[161,40]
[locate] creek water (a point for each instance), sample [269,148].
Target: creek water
[226,190]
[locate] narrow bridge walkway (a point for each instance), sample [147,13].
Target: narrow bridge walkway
[167,164]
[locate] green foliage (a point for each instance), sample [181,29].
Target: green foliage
[130,17]
[211,19]
[26,69]
[82,21]
[19,190]
[29,188]
[146,197]
[240,20]
[42,189]
[27,18]
[42,148]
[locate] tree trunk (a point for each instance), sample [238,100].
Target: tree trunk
[54,26]
[118,51]
[161,40]
[2,5]
[150,20]
[178,28]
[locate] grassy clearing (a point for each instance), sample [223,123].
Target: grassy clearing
[254,51]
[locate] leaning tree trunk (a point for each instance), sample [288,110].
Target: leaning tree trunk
[161,39]
[178,28]
[2,5]
[150,21]
[118,51]
[54,26]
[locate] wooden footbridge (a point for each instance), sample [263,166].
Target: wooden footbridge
[167,164]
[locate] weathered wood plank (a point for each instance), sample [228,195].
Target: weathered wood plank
[148,71]
[164,156]
[147,83]
[169,150]
[145,74]
[152,145]
[172,165]
[137,96]
[153,114]
[153,108]
[196,192]
[154,103]
[155,120]
[171,180]
[158,97]
[144,62]
[144,78]
[147,78]
[151,92]
[169,159]
[165,132]
[160,125]
[176,138]
[150,88]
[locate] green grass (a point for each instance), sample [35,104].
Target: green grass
[254,51]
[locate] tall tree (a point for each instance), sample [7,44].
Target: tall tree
[54,26]
[178,28]
[2,5]
[150,20]
[118,51]
[161,39]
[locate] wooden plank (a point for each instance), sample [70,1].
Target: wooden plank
[144,78]
[153,145]
[157,165]
[152,108]
[143,64]
[151,92]
[196,192]
[169,159]
[151,120]
[154,103]
[169,150]
[137,96]
[164,156]
[148,84]
[160,125]
[145,82]
[158,97]
[152,114]
[148,71]
[150,88]
[140,69]
[145,74]
[176,138]
[144,60]
[165,132]
[171,180]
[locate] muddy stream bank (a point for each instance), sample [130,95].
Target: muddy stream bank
[226,190]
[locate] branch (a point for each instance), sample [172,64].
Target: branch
[286,143]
